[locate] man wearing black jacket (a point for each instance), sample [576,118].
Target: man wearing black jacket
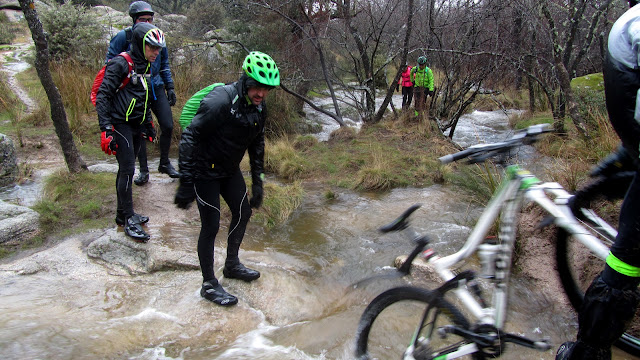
[229,122]
[124,116]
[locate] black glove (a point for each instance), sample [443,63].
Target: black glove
[618,161]
[149,132]
[256,195]
[398,87]
[171,95]
[431,93]
[185,195]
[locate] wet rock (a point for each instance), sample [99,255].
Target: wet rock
[420,269]
[17,223]
[118,251]
[9,5]
[118,20]
[100,168]
[8,163]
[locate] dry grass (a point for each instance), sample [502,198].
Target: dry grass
[280,204]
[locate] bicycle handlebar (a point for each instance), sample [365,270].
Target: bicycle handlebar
[481,152]
[401,222]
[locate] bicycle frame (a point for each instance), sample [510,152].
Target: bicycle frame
[487,318]
[517,186]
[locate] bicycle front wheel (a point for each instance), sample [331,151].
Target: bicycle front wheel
[577,267]
[393,325]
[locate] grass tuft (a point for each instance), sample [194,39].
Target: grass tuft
[279,204]
[71,199]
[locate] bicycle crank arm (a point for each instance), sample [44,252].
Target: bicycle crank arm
[542,345]
[484,341]
[481,340]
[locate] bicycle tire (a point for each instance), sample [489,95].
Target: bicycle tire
[574,287]
[365,342]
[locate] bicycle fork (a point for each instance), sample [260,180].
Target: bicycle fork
[483,338]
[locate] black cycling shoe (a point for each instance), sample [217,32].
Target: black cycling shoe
[169,170]
[143,178]
[135,231]
[240,272]
[565,350]
[215,293]
[137,218]
[580,350]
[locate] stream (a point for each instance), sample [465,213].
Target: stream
[304,306]
[60,304]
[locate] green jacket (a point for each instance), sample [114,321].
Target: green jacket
[422,77]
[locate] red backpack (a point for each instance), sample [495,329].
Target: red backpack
[98,80]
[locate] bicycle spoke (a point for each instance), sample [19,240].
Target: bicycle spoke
[391,329]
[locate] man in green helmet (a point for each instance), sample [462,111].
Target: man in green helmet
[422,79]
[229,122]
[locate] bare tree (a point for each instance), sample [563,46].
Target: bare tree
[58,115]
[565,33]
[403,60]
[371,37]
[464,45]
[348,47]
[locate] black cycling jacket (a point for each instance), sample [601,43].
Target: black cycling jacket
[226,125]
[130,104]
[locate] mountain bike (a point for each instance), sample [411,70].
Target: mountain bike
[410,322]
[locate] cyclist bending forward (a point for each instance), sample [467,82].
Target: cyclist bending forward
[230,121]
[612,298]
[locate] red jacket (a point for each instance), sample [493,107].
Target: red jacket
[405,79]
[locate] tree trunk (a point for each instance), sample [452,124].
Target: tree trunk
[564,78]
[73,159]
[569,99]
[403,61]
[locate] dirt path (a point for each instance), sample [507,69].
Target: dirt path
[536,257]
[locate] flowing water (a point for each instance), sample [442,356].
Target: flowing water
[59,304]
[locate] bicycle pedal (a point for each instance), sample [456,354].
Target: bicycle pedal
[542,345]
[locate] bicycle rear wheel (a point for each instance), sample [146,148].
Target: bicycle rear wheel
[388,325]
[577,267]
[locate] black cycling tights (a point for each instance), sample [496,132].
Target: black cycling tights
[128,140]
[162,111]
[234,192]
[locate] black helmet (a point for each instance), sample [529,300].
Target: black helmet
[138,8]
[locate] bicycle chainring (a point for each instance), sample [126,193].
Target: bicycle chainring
[493,350]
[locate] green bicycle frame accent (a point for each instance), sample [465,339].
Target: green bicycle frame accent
[528,179]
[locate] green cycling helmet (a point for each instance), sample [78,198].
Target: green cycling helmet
[422,60]
[261,68]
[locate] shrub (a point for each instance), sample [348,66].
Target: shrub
[204,16]
[7,31]
[283,159]
[73,33]
[282,119]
